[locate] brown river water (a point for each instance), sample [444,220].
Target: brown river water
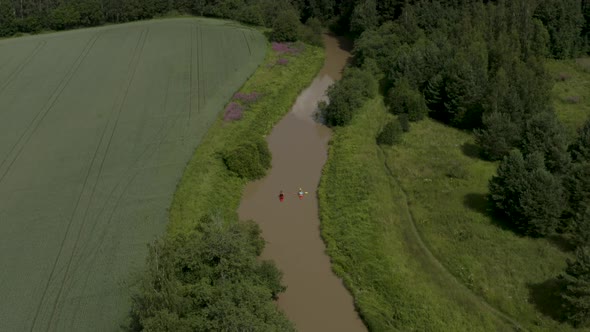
[316,299]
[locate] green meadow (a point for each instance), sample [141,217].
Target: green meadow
[97,127]
[409,230]
[571,91]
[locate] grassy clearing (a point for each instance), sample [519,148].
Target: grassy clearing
[368,233]
[366,226]
[571,92]
[446,191]
[97,126]
[206,186]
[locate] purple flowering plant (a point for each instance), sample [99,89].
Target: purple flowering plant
[233,111]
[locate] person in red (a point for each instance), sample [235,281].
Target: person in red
[300,193]
[281,196]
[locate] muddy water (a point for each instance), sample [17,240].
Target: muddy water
[316,299]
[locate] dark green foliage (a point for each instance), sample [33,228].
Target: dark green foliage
[581,228]
[580,149]
[543,133]
[402,99]
[564,22]
[64,17]
[285,27]
[249,160]
[577,291]
[347,96]
[209,280]
[498,136]
[404,121]
[311,32]
[577,184]
[390,134]
[251,14]
[364,17]
[527,194]
[7,19]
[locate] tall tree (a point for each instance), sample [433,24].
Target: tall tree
[577,291]
[527,194]
[544,133]
[564,21]
[7,18]
[580,149]
[364,17]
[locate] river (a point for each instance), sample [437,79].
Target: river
[316,299]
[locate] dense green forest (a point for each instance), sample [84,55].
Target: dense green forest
[472,64]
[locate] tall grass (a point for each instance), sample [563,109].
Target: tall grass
[365,224]
[452,216]
[206,186]
[571,91]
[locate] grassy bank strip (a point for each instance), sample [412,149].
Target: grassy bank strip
[206,186]
[365,224]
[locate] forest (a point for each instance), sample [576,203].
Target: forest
[473,65]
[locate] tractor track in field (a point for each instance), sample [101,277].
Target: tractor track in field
[22,65]
[40,116]
[202,84]
[75,67]
[130,175]
[247,43]
[190,75]
[119,108]
[437,263]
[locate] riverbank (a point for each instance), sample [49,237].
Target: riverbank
[204,274]
[315,299]
[206,186]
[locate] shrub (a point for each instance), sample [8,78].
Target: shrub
[404,121]
[456,170]
[402,98]
[249,160]
[390,134]
[347,96]
[527,194]
[286,26]
[251,14]
[311,32]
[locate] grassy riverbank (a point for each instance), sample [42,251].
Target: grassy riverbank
[206,186]
[204,273]
[368,198]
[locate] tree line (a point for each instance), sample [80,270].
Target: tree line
[479,66]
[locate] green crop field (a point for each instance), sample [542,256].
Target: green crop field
[96,127]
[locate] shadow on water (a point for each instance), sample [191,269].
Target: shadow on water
[471,150]
[546,297]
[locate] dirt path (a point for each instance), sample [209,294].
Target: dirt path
[315,300]
[436,264]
